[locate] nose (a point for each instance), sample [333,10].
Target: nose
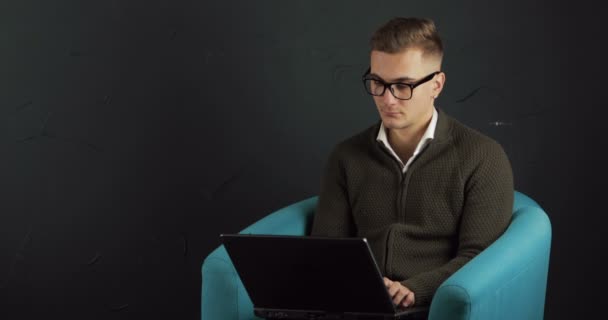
[387,98]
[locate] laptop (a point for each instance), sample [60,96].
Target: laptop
[300,277]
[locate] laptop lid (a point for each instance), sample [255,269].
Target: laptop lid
[309,274]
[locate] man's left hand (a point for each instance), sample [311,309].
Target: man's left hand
[401,295]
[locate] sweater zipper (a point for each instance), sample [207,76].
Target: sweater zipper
[400,208]
[405,183]
[403,196]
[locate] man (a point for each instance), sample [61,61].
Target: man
[426,191]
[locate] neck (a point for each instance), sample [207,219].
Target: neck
[402,139]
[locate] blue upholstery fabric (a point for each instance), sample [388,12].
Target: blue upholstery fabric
[506,281]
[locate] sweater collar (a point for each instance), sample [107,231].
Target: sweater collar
[442,131]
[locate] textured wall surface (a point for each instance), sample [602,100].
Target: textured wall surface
[133,133]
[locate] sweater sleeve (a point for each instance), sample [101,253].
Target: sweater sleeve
[486,214]
[333,217]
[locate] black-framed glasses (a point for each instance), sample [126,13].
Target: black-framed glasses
[400,90]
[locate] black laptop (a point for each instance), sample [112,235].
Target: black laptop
[297,277]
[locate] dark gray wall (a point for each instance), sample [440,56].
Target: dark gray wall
[134,132]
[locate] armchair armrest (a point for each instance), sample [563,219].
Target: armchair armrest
[507,280]
[224,296]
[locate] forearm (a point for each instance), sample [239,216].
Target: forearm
[485,216]
[425,284]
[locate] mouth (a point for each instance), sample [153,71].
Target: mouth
[391,114]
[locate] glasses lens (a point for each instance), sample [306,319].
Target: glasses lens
[374,87]
[401,91]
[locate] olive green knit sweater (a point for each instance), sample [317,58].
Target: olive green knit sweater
[422,226]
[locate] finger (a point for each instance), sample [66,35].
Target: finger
[387,282]
[409,300]
[394,288]
[398,298]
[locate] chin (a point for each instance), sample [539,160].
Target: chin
[392,123]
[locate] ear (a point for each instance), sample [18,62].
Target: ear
[438,83]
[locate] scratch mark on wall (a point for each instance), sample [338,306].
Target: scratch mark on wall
[27,138]
[225,184]
[24,105]
[210,54]
[119,308]
[95,259]
[19,255]
[494,91]
[220,188]
[46,121]
[531,103]
[81,144]
[185,244]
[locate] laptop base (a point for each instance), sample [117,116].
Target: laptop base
[416,313]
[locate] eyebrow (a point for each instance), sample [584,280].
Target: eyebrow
[401,79]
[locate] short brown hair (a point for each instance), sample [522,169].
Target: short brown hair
[399,34]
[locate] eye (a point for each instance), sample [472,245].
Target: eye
[401,86]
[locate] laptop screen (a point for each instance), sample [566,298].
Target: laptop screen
[334,275]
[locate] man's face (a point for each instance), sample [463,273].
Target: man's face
[407,66]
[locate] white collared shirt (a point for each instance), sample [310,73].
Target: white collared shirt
[428,135]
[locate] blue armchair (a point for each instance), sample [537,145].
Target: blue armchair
[506,281]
